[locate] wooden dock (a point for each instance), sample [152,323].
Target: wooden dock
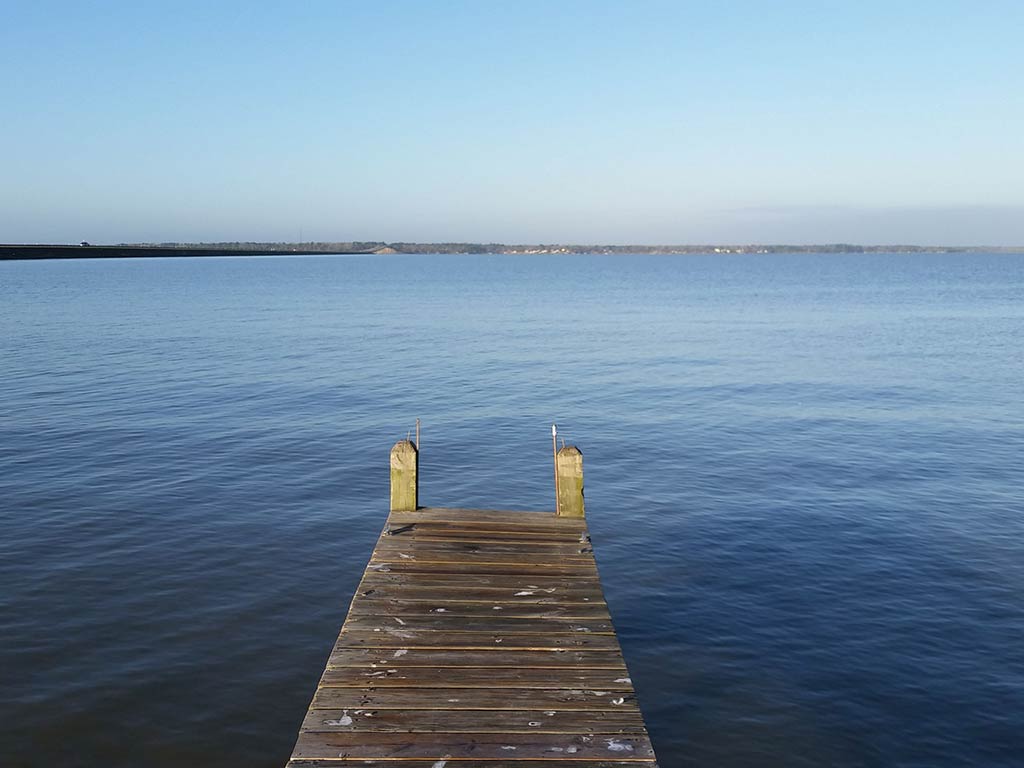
[476,639]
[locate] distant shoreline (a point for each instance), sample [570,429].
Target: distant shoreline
[16,252]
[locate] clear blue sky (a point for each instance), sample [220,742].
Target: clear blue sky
[585,122]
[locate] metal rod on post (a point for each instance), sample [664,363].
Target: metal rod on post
[554,456]
[417,434]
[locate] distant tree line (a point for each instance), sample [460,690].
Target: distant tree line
[364,246]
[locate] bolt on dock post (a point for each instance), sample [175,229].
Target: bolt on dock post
[405,466]
[569,471]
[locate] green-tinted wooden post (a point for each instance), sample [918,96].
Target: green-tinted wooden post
[405,468]
[569,465]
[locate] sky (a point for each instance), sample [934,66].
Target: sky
[515,122]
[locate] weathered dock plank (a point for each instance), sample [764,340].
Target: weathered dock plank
[496,622]
[466,608]
[476,677]
[473,721]
[443,746]
[490,659]
[566,699]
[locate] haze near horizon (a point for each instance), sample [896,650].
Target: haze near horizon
[527,122]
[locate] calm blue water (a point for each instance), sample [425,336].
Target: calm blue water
[805,483]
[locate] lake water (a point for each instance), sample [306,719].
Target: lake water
[804,474]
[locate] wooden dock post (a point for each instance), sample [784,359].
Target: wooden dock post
[569,468]
[405,468]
